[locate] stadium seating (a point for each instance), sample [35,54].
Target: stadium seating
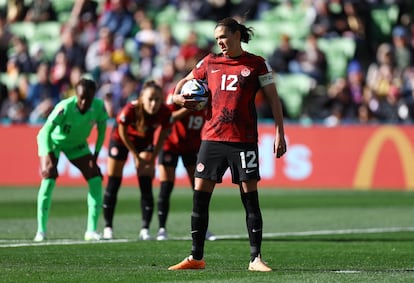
[292,89]
[23,29]
[62,6]
[383,18]
[262,46]
[50,46]
[168,15]
[47,30]
[338,51]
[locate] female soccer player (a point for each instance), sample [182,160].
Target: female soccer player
[66,130]
[134,132]
[230,138]
[183,141]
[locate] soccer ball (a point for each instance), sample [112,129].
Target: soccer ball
[198,90]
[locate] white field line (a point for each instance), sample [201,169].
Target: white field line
[25,243]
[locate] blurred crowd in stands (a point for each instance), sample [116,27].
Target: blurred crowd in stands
[123,43]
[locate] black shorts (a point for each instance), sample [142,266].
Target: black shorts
[215,157]
[168,158]
[119,151]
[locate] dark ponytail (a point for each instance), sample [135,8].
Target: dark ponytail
[246,33]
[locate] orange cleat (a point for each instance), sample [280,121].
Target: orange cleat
[258,265]
[189,263]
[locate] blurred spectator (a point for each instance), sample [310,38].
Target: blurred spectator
[356,25]
[110,102]
[40,11]
[283,55]
[168,48]
[147,34]
[74,77]
[107,71]
[408,95]
[21,56]
[346,97]
[246,9]
[146,60]
[357,15]
[37,55]
[403,52]
[14,109]
[343,98]
[386,109]
[117,19]
[365,115]
[340,104]
[83,12]
[42,95]
[23,84]
[165,75]
[101,46]
[129,88]
[60,71]
[5,38]
[311,61]
[190,53]
[323,23]
[382,73]
[16,10]
[72,49]
[193,10]
[116,96]
[120,56]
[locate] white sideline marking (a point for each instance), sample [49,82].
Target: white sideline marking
[346,271]
[25,243]
[326,232]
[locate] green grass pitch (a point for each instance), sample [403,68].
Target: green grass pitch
[309,236]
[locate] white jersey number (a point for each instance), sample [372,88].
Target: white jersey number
[248,159]
[228,82]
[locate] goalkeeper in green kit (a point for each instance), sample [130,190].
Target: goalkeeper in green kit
[66,130]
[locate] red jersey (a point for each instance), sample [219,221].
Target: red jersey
[128,117]
[185,136]
[233,83]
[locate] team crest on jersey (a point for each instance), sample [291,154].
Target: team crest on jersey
[114,151]
[245,72]
[200,167]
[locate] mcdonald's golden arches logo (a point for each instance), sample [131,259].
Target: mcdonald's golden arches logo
[368,160]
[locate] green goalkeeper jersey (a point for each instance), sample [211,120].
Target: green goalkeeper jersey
[67,127]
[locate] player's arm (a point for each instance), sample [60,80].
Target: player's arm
[44,138]
[180,113]
[160,142]
[180,99]
[270,92]
[122,129]
[101,129]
